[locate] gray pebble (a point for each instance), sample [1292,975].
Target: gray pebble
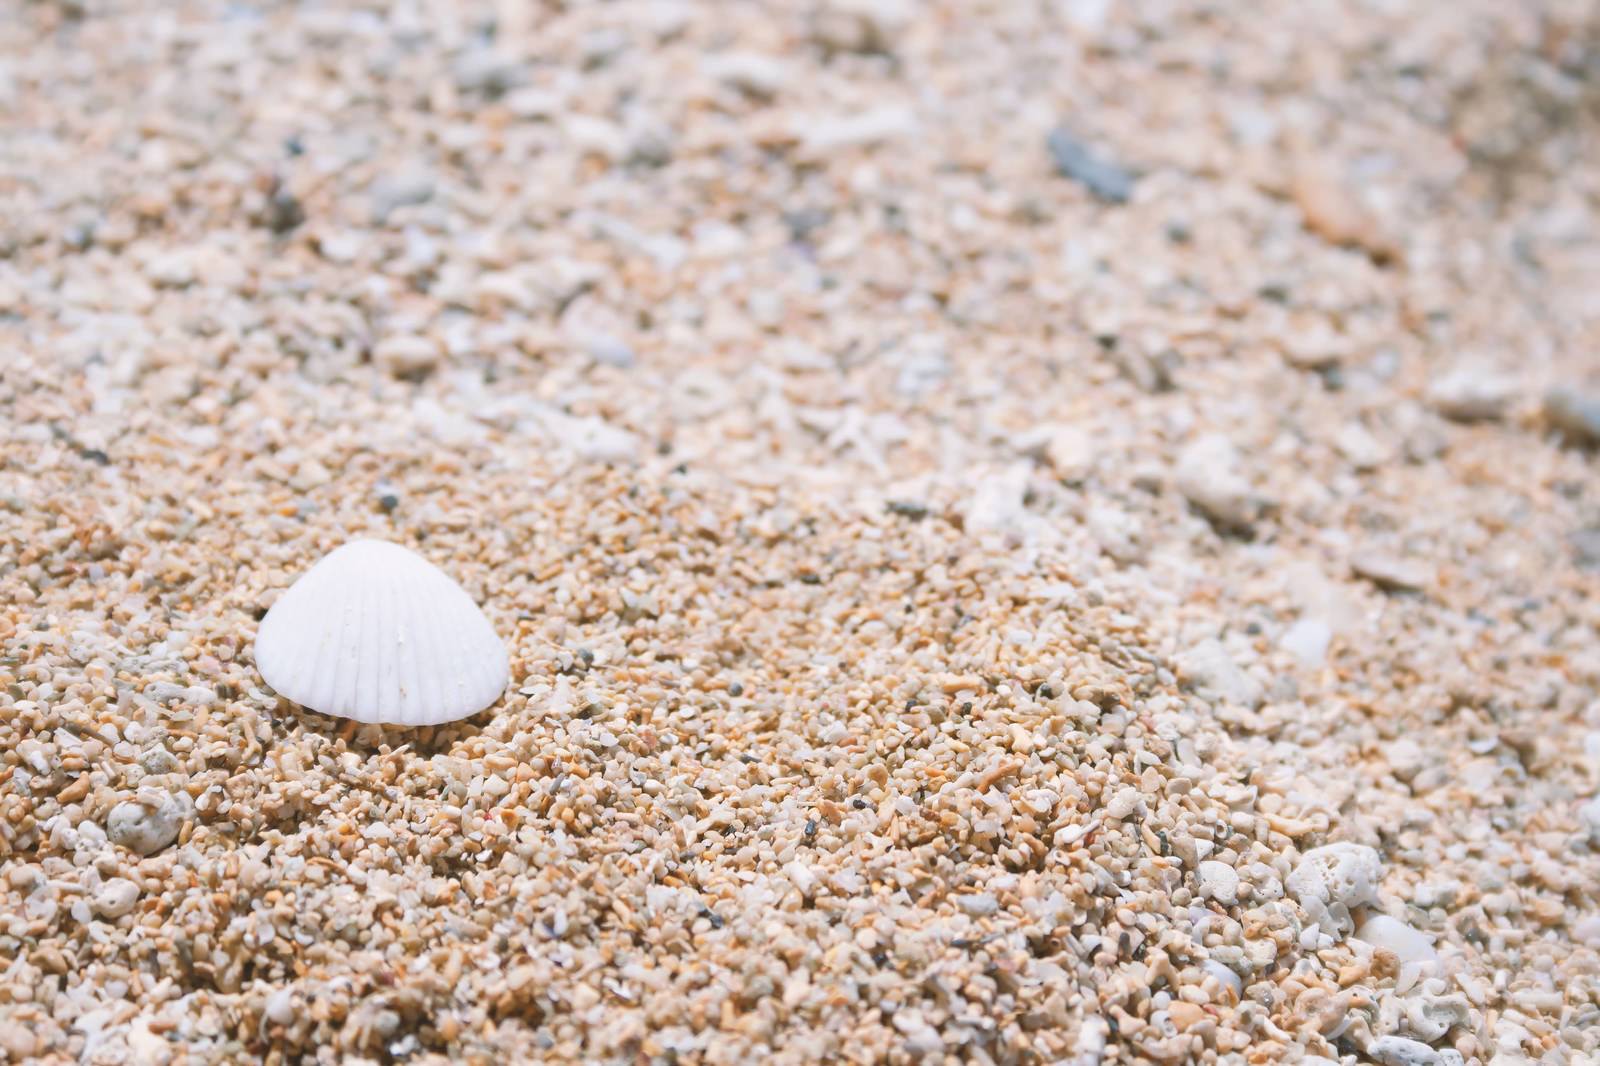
[158,760]
[147,828]
[1105,179]
[649,140]
[1575,414]
[404,189]
[486,71]
[1586,547]
[283,211]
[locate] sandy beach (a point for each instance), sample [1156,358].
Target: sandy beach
[1025,532]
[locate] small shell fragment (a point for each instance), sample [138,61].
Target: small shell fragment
[1409,944]
[1333,880]
[376,633]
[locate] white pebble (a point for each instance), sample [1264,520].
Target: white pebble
[116,897]
[407,356]
[1437,894]
[1208,475]
[401,188]
[1430,1017]
[1211,672]
[921,1038]
[978,906]
[749,72]
[1406,758]
[173,270]
[1307,640]
[1069,835]
[801,877]
[1331,880]
[607,349]
[485,70]
[1357,444]
[1471,394]
[996,504]
[148,1047]
[836,133]
[1391,572]
[1219,881]
[1589,817]
[1070,450]
[280,1006]
[1119,534]
[1041,800]
[595,136]
[1124,803]
[1399,1051]
[340,247]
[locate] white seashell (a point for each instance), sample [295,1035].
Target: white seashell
[1410,945]
[1225,977]
[377,633]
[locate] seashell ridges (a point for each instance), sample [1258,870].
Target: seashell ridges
[376,633]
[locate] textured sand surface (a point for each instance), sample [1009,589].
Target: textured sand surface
[1026,532]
